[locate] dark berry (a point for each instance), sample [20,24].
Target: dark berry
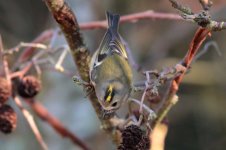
[8,119]
[29,87]
[133,138]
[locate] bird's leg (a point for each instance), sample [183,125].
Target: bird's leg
[77,80]
[88,86]
[138,88]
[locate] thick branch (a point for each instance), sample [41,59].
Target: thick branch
[69,25]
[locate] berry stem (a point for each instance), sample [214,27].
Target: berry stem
[32,123]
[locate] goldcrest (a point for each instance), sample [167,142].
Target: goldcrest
[110,71]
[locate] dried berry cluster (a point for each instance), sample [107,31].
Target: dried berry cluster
[133,138]
[8,117]
[27,87]
[5,91]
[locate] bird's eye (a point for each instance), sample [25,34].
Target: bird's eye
[114,104]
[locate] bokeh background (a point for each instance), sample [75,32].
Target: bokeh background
[197,122]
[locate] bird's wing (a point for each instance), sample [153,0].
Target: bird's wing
[111,42]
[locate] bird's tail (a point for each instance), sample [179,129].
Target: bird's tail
[113,21]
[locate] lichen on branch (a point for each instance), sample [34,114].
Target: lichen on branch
[203,18]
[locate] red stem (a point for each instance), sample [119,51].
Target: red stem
[132,18]
[46,35]
[195,44]
[43,113]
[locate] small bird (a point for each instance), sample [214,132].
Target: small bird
[110,71]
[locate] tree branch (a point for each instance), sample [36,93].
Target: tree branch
[55,123]
[32,123]
[203,18]
[69,25]
[28,52]
[132,18]
[195,44]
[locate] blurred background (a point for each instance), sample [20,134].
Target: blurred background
[197,122]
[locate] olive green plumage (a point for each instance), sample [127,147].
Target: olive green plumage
[110,71]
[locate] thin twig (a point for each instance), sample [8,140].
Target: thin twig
[151,113]
[22,45]
[22,72]
[5,63]
[32,123]
[43,113]
[58,65]
[28,52]
[50,35]
[181,8]
[26,114]
[67,72]
[206,48]
[203,18]
[195,44]
[172,100]
[132,18]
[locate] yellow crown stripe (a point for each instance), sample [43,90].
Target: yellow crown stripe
[109,91]
[108,98]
